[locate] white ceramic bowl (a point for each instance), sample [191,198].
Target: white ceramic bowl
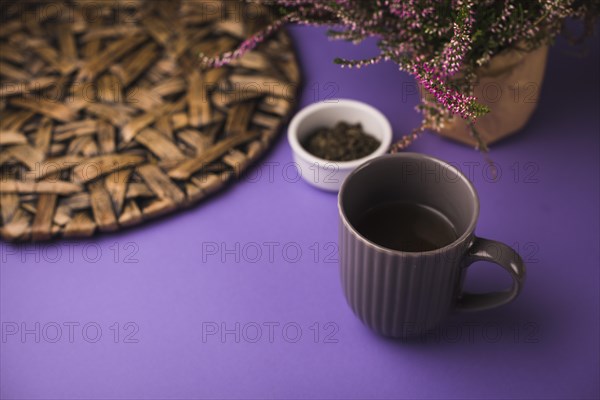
[325,174]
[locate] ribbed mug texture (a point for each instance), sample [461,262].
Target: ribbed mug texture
[398,294]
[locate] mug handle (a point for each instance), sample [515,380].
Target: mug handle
[498,253]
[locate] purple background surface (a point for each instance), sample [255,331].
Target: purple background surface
[166,279]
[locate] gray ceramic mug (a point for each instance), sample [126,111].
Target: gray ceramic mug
[403,294]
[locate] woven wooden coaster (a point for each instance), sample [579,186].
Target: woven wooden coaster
[107,117]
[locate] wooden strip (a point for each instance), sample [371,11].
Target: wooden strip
[11,138]
[9,203]
[91,148]
[144,99]
[57,187]
[83,145]
[187,38]
[62,215]
[28,155]
[64,211]
[34,85]
[109,88]
[43,136]
[166,165]
[48,54]
[82,95]
[169,87]
[289,66]
[85,124]
[131,214]
[187,168]
[198,104]
[209,183]
[91,45]
[196,139]
[108,56]
[18,227]
[168,10]
[57,93]
[237,160]
[158,207]
[214,76]
[213,47]
[80,20]
[54,110]
[135,189]
[78,201]
[153,75]
[137,124]
[116,185]
[253,60]
[116,116]
[163,125]
[57,149]
[166,66]
[6,158]
[193,192]
[75,129]
[179,120]
[231,27]
[106,137]
[157,28]
[14,121]
[80,225]
[160,184]
[225,99]
[275,105]
[197,13]
[102,207]
[132,67]
[158,144]
[201,17]
[106,32]
[66,41]
[10,27]
[96,167]
[57,164]
[42,223]
[12,73]
[35,67]
[262,84]
[238,118]
[32,25]
[11,54]
[266,120]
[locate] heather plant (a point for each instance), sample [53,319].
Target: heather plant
[440,43]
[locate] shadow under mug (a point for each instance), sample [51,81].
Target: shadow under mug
[404,294]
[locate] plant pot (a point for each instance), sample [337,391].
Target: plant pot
[509,85]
